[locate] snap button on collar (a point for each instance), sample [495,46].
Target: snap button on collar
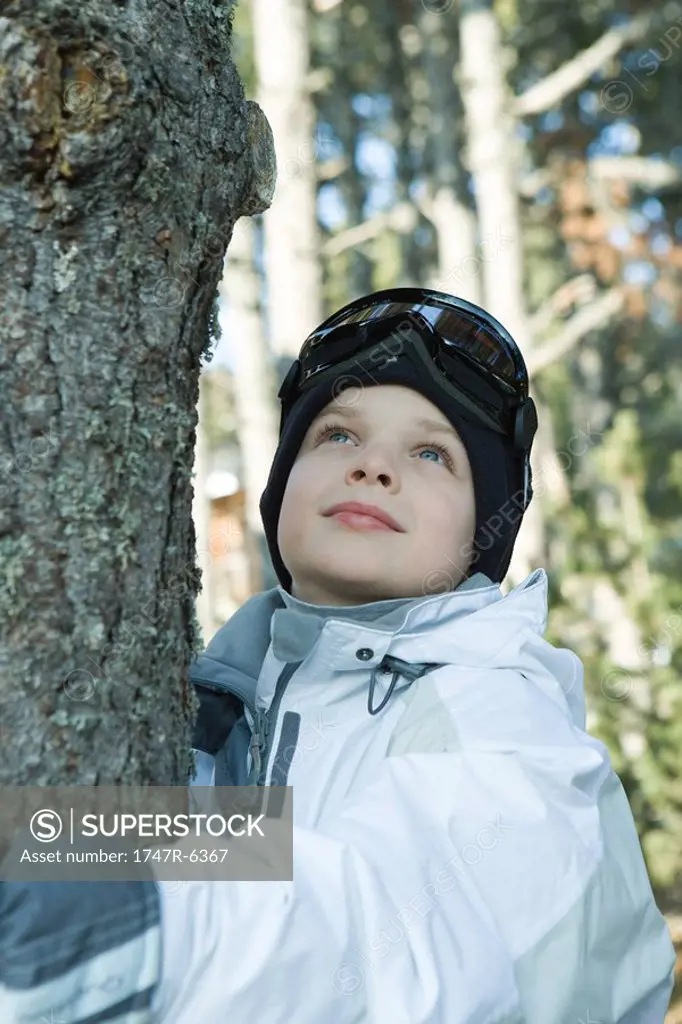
[364,653]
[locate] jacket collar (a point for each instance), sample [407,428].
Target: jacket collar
[473,625]
[296,628]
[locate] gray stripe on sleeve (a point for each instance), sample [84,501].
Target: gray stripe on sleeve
[52,928]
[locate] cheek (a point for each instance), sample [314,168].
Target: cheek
[298,489]
[298,499]
[449,514]
[287,515]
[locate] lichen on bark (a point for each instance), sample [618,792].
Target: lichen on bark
[124,153]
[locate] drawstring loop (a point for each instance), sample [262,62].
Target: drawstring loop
[399,668]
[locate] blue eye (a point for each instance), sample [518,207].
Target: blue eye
[329,431]
[440,450]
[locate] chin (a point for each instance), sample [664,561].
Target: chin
[360,586]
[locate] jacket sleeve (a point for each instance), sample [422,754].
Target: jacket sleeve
[500,880]
[78,951]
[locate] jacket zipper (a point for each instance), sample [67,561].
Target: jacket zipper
[260,726]
[265,727]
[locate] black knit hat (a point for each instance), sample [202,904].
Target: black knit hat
[497,469]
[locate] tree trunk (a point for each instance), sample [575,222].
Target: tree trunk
[292,263]
[492,159]
[127,151]
[406,136]
[255,395]
[492,162]
[350,183]
[450,209]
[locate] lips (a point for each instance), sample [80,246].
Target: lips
[373,511]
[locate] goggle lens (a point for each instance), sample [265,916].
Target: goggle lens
[477,341]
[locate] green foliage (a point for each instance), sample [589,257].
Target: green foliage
[242,48]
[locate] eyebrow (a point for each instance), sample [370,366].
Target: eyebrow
[422,423]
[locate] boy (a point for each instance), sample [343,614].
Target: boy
[464,853]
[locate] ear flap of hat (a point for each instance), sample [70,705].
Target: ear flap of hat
[292,434]
[495,468]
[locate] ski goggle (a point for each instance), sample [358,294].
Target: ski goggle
[466,351]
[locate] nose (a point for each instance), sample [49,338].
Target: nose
[374,465]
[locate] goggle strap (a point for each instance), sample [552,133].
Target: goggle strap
[526,482]
[442,382]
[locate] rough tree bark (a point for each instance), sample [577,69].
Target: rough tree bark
[127,151]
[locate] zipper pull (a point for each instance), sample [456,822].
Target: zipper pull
[259,741]
[262,727]
[255,755]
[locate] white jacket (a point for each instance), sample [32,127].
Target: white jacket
[465,856]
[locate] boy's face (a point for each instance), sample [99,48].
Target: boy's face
[378,453]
